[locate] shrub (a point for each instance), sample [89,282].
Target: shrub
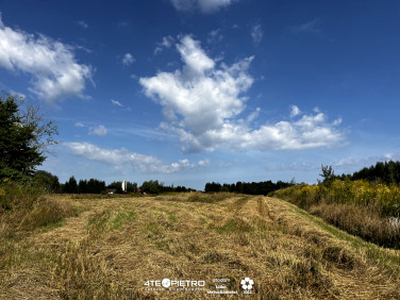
[17,196]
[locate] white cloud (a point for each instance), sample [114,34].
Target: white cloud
[100,130]
[126,159]
[204,163]
[128,59]
[56,75]
[254,115]
[295,111]
[167,42]
[195,59]
[79,124]
[361,162]
[311,26]
[22,95]
[257,34]
[202,102]
[205,6]
[116,103]
[120,105]
[83,24]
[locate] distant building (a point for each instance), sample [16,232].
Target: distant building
[111,191]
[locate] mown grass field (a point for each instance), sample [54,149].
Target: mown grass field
[110,247]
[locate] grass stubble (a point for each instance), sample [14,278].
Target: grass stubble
[111,247]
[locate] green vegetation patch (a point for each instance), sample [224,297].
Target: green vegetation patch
[209,198]
[234,226]
[122,218]
[110,220]
[152,229]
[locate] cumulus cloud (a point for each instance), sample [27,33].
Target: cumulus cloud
[204,163]
[124,158]
[205,6]
[295,111]
[100,130]
[128,59]
[79,124]
[55,73]
[202,103]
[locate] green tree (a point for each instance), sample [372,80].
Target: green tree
[71,186]
[47,180]
[24,137]
[328,174]
[117,185]
[152,187]
[82,186]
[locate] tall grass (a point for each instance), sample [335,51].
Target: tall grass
[17,196]
[25,207]
[362,208]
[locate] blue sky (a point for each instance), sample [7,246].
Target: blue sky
[189,92]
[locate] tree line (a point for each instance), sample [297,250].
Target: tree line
[384,172]
[251,188]
[94,186]
[387,172]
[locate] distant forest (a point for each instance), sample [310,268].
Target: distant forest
[94,186]
[251,188]
[381,172]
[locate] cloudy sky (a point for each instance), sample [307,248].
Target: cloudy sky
[194,91]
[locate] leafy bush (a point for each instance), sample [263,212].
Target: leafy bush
[17,196]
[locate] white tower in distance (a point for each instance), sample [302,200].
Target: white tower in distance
[124,186]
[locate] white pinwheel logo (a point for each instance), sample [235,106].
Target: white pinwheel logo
[166,283]
[247,283]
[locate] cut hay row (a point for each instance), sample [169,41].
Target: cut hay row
[116,247]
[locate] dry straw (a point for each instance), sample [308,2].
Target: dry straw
[115,245]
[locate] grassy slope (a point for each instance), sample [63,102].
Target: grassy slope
[115,245]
